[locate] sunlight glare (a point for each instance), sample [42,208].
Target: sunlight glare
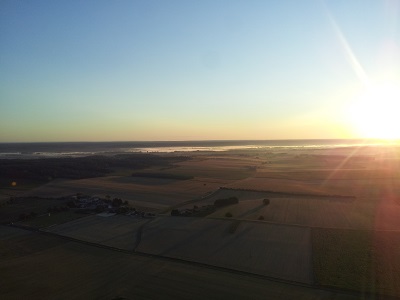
[374,113]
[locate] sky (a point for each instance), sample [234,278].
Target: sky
[198,70]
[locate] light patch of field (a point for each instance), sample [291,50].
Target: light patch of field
[359,188]
[224,160]
[141,192]
[61,270]
[312,211]
[329,174]
[217,167]
[116,231]
[273,250]
[283,186]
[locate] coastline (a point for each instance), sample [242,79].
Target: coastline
[76,149]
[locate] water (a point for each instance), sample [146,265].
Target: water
[71,149]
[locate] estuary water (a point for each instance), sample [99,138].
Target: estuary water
[71,149]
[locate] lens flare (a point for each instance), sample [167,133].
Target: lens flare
[374,112]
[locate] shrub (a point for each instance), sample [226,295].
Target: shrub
[228,215]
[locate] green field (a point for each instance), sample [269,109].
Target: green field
[359,260]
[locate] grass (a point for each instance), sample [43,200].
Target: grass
[360,260]
[52,219]
[341,258]
[11,212]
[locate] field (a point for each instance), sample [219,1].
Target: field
[218,167]
[342,187]
[271,250]
[153,193]
[11,213]
[328,212]
[115,231]
[333,221]
[53,219]
[345,259]
[52,268]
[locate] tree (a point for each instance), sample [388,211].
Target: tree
[99,208]
[175,212]
[226,201]
[71,204]
[266,201]
[117,202]
[122,210]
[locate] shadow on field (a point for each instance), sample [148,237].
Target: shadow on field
[252,211]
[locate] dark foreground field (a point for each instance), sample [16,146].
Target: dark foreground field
[38,266]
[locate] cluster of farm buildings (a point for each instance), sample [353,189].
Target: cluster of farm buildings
[95,204]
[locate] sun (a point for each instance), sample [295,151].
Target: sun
[375,111]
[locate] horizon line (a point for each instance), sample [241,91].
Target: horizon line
[201,140]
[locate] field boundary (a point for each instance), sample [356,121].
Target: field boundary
[297,225]
[289,194]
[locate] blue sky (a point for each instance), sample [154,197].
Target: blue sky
[189,70]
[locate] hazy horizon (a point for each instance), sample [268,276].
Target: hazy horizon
[208,70]
[76,149]
[383,140]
